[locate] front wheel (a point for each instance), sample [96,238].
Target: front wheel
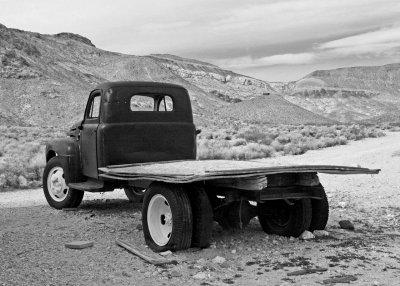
[55,188]
[281,218]
[167,217]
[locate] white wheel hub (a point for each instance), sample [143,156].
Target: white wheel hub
[56,185]
[159,220]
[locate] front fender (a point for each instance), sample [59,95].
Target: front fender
[62,147]
[68,150]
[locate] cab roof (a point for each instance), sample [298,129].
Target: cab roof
[111,84]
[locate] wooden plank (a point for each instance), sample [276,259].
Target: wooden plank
[155,260]
[192,170]
[307,271]
[78,244]
[248,183]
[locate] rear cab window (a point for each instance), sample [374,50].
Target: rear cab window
[151,102]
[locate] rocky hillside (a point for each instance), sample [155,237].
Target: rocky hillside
[272,109]
[227,85]
[369,94]
[45,79]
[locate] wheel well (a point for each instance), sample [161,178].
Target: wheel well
[50,155]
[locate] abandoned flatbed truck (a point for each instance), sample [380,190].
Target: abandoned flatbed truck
[140,136]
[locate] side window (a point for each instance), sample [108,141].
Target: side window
[94,111]
[166,104]
[142,103]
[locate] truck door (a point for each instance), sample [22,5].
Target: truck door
[89,135]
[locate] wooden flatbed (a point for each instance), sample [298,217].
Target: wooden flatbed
[189,171]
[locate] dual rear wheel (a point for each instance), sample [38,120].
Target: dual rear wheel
[175,218]
[292,218]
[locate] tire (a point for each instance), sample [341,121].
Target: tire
[55,186]
[202,217]
[239,214]
[167,217]
[135,194]
[221,216]
[320,213]
[278,217]
[220,211]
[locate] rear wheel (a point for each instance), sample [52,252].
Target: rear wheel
[320,213]
[55,187]
[135,194]
[235,215]
[167,217]
[240,213]
[279,217]
[202,216]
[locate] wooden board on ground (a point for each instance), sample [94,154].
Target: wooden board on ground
[78,244]
[149,257]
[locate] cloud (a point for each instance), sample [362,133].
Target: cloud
[164,26]
[287,59]
[283,59]
[385,41]
[201,29]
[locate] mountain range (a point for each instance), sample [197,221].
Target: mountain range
[369,94]
[45,81]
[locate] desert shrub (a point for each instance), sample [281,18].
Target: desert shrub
[258,141]
[292,149]
[23,159]
[239,142]
[252,135]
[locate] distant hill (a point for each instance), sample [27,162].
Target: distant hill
[272,109]
[367,94]
[45,79]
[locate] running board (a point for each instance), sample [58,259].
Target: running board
[88,186]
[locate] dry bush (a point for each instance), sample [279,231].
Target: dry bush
[22,158]
[260,141]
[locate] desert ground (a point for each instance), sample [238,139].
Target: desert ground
[33,236]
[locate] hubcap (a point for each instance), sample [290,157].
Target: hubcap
[159,220]
[56,185]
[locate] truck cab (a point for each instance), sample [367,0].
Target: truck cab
[123,123]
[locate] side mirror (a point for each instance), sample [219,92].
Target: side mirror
[198,131]
[80,127]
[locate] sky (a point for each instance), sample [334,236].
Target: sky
[270,40]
